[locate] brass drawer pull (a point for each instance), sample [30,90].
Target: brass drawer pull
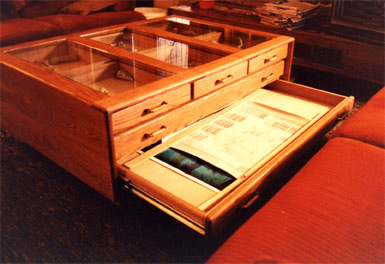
[267,77]
[155,109]
[271,59]
[226,79]
[154,134]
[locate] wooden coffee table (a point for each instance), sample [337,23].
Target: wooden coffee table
[102,103]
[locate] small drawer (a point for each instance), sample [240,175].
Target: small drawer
[144,135]
[149,108]
[268,58]
[219,79]
[139,137]
[269,74]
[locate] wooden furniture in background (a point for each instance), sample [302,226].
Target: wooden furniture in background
[365,15]
[321,48]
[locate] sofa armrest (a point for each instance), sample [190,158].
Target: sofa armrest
[368,123]
[331,211]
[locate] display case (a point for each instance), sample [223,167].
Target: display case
[93,68]
[192,116]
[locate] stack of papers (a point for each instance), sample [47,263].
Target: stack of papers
[292,14]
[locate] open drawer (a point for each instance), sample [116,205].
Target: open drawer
[203,174]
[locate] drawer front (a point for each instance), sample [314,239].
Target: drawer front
[146,134]
[219,79]
[149,108]
[269,74]
[268,58]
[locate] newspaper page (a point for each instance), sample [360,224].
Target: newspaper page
[238,140]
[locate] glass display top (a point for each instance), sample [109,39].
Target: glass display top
[101,72]
[215,34]
[185,55]
[178,41]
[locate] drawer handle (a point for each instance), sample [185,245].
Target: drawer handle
[267,77]
[250,201]
[154,134]
[155,109]
[271,59]
[226,79]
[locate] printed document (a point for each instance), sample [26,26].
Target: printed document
[250,133]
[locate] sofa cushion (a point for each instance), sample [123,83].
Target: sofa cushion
[4,15]
[11,8]
[86,7]
[21,30]
[368,124]
[114,18]
[124,5]
[74,23]
[43,8]
[331,211]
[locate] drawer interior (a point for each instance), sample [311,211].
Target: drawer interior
[224,155]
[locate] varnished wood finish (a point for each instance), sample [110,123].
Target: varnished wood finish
[278,162]
[150,108]
[123,100]
[126,55]
[268,58]
[64,128]
[65,85]
[213,23]
[173,182]
[189,40]
[70,79]
[78,113]
[163,197]
[143,36]
[189,113]
[219,208]
[219,79]
[310,93]
[316,48]
[215,100]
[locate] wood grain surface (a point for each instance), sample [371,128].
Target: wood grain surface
[69,131]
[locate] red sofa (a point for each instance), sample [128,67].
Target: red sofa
[23,20]
[332,210]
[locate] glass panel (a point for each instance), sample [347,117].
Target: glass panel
[97,70]
[164,49]
[221,35]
